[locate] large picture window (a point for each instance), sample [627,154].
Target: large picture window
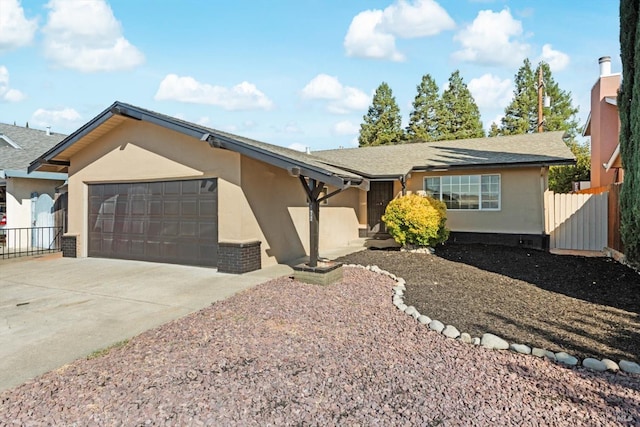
[465,192]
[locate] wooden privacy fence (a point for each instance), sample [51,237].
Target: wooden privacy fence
[576,221]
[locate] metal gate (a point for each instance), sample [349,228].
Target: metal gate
[576,221]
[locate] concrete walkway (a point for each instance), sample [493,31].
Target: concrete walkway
[54,310]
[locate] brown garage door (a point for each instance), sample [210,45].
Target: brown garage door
[170,221]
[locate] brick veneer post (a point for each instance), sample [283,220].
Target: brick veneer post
[69,244]
[239,257]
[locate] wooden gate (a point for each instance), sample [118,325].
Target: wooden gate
[576,221]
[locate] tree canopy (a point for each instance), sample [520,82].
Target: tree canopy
[459,116]
[521,115]
[423,121]
[382,124]
[629,109]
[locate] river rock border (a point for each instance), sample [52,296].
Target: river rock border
[492,341]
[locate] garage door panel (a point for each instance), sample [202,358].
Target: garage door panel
[168,221]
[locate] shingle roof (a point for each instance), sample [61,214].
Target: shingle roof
[31,142]
[545,148]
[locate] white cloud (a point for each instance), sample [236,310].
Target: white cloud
[491,91]
[345,127]
[372,33]
[243,96]
[65,118]
[6,93]
[323,86]
[421,19]
[492,39]
[84,35]
[557,60]
[342,99]
[15,29]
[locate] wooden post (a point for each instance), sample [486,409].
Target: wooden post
[540,98]
[313,190]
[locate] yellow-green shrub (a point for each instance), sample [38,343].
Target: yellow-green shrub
[416,220]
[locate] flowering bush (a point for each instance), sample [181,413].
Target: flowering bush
[416,220]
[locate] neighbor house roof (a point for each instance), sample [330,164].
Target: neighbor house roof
[388,161]
[297,163]
[20,145]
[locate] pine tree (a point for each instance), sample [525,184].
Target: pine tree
[458,117]
[494,130]
[382,124]
[629,108]
[521,115]
[423,121]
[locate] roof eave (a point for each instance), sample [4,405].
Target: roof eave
[443,168]
[214,139]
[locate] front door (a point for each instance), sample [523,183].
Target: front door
[379,195]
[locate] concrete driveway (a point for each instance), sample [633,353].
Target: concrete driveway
[55,310]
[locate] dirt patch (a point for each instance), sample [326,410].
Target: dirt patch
[588,307]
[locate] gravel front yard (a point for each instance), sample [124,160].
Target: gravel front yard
[287,353]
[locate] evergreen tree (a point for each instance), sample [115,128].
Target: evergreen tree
[382,123]
[562,177]
[629,108]
[423,121]
[459,117]
[521,115]
[494,130]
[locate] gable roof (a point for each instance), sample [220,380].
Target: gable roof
[388,161]
[20,145]
[297,163]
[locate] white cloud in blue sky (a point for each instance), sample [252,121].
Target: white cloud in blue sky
[85,35]
[243,96]
[7,93]
[285,72]
[373,33]
[493,38]
[16,30]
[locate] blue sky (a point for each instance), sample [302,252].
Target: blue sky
[292,73]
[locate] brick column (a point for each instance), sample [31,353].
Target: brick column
[239,257]
[69,243]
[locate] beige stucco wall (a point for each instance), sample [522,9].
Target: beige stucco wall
[277,214]
[522,203]
[254,198]
[19,203]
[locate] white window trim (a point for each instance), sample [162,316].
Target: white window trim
[480,208]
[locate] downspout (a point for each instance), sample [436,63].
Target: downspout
[544,207]
[403,182]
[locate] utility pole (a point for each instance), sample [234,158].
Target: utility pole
[540,98]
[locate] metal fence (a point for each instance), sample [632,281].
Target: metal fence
[19,242]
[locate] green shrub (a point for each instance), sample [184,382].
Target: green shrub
[416,220]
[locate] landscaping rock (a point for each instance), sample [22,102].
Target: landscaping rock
[594,364]
[410,310]
[450,332]
[401,282]
[475,341]
[611,365]
[493,342]
[520,348]
[566,359]
[630,367]
[397,298]
[398,303]
[465,338]
[398,291]
[402,306]
[436,325]
[425,320]
[541,352]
